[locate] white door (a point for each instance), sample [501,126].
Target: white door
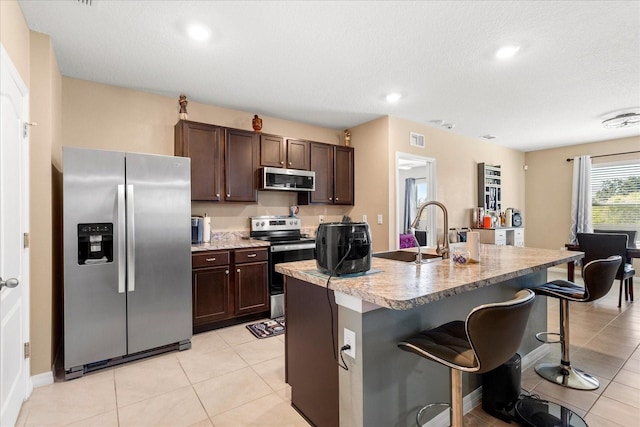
[14,258]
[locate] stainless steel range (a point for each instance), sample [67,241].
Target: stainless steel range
[287,245]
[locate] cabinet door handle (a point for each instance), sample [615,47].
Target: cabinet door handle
[210,259]
[226,272]
[238,271]
[330,198]
[252,255]
[217,194]
[281,162]
[228,195]
[336,199]
[290,163]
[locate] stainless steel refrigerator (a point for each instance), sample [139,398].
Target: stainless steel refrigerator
[127,257]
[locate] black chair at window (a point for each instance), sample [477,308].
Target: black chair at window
[631,243]
[603,245]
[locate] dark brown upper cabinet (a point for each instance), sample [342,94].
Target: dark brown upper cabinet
[278,152]
[333,166]
[203,144]
[241,163]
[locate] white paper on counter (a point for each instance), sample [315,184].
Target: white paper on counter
[473,245]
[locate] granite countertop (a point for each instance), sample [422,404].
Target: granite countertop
[239,243]
[401,286]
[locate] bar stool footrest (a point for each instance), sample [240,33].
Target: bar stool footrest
[544,337]
[426,408]
[567,376]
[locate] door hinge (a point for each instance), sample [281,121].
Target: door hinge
[25,240]
[27,350]
[25,128]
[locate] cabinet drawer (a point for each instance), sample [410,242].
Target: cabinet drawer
[251,255]
[209,259]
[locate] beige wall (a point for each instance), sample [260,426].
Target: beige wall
[376,144]
[113,118]
[548,188]
[45,110]
[371,155]
[14,36]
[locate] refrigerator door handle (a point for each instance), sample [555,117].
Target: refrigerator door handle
[131,241]
[121,240]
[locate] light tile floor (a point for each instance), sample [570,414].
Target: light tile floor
[229,378]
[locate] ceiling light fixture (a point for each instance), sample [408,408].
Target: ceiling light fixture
[198,32]
[507,51]
[393,97]
[622,121]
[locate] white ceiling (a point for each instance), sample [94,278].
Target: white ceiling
[332,63]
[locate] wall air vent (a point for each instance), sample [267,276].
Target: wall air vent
[416,140]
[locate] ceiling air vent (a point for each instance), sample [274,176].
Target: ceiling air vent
[87,2]
[622,121]
[488,136]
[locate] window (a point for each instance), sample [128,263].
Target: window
[615,195]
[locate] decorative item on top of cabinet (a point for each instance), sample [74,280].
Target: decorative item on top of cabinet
[256,123]
[276,152]
[347,137]
[489,187]
[183,107]
[334,167]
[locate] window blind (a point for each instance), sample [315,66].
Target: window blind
[615,194]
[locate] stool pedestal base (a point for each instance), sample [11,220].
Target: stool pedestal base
[567,376]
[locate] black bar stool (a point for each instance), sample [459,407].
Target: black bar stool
[471,345]
[598,277]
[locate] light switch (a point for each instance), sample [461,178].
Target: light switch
[364,218]
[379,218]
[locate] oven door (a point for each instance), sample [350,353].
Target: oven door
[288,252]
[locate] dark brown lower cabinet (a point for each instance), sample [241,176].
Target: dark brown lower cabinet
[310,367]
[222,298]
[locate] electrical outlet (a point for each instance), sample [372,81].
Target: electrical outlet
[321,218]
[350,339]
[364,218]
[379,218]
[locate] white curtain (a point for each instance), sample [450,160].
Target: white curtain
[409,203]
[581,198]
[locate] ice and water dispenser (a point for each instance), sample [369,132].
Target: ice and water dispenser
[95,243]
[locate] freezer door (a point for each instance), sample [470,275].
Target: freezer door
[159,250]
[94,309]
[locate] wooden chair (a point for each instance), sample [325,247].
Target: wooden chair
[603,245]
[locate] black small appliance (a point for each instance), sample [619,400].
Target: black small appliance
[343,248]
[501,389]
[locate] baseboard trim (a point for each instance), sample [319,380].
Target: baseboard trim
[473,399]
[42,379]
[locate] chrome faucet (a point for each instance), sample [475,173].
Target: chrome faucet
[443,250]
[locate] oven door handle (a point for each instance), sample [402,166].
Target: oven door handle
[294,247]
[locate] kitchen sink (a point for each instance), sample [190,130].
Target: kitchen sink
[407,256]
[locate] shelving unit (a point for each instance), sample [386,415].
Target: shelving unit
[489,187]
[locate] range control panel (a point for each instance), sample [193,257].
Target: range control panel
[275,223]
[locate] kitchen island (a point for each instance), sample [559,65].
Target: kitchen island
[385,386]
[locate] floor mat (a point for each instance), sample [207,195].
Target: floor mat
[268,328]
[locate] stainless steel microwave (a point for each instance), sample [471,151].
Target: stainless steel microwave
[287,179]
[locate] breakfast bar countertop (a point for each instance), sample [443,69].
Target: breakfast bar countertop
[403,285]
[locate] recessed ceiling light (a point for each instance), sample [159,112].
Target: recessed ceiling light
[393,97]
[507,51]
[198,32]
